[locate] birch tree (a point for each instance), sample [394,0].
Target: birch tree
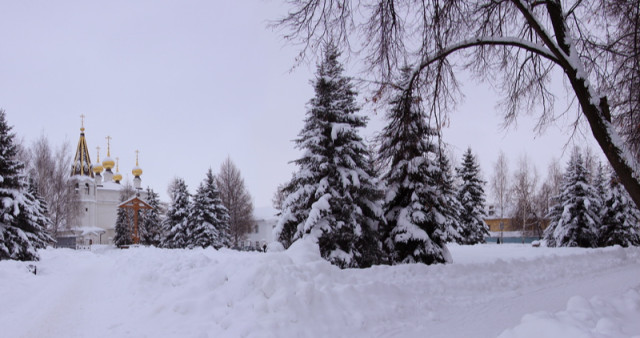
[236,199]
[500,182]
[49,168]
[525,181]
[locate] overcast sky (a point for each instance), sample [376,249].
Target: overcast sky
[189,83]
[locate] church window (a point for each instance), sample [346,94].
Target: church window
[86,185]
[77,188]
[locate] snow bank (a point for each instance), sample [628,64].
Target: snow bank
[598,317]
[148,292]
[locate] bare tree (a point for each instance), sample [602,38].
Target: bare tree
[236,199]
[50,172]
[554,176]
[500,182]
[515,44]
[22,151]
[525,181]
[542,201]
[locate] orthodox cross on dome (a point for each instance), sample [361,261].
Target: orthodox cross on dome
[82,122]
[108,145]
[98,153]
[137,152]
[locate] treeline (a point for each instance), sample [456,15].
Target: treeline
[398,202]
[592,209]
[584,205]
[217,215]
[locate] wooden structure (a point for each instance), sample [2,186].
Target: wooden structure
[135,204]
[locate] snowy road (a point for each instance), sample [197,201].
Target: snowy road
[146,292]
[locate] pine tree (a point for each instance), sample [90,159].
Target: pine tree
[22,219]
[574,218]
[620,219]
[150,222]
[209,217]
[414,208]
[471,196]
[177,221]
[124,219]
[333,197]
[452,206]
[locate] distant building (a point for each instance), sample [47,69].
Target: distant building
[260,234]
[98,190]
[512,227]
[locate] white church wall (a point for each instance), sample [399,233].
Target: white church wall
[261,233]
[107,213]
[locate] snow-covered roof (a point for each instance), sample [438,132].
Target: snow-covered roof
[83,231]
[111,186]
[135,200]
[82,178]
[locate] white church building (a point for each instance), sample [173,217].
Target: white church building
[98,190]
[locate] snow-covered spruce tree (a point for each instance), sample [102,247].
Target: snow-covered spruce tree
[333,197]
[414,208]
[448,192]
[34,218]
[209,217]
[123,229]
[150,222]
[22,220]
[600,184]
[124,219]
[574,219]
[177,221]
[620,218]
[471,196]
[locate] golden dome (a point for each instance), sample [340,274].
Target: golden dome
[108,163]
[117,177]
[137,171]
[97,168]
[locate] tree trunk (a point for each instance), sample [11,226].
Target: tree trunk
[598,115]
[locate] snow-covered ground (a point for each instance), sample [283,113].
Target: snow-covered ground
[490,290]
